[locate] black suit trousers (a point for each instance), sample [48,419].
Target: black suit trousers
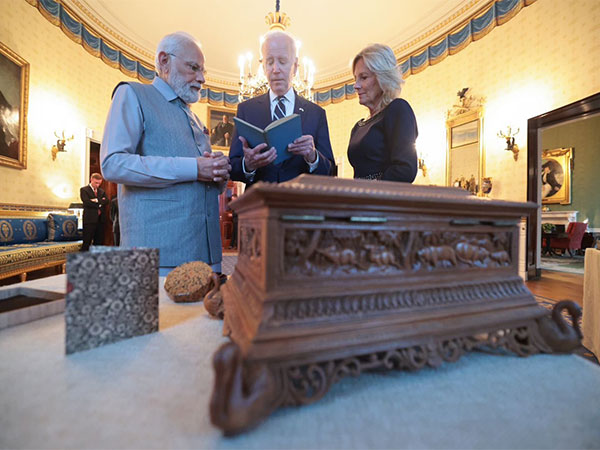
[92,232]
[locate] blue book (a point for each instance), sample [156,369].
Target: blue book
[278,134]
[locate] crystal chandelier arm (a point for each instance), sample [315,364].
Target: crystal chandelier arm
[254,85]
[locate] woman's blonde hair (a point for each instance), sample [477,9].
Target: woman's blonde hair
[380,60]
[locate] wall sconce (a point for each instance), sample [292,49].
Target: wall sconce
[510,141]
[422,167]
[60,144]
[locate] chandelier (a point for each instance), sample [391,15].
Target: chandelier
[253,84]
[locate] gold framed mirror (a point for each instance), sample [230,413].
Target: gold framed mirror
[464,155]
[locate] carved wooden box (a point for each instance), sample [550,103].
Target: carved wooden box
[335,276]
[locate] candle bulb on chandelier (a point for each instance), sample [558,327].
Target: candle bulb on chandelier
[241,66]
[254,85]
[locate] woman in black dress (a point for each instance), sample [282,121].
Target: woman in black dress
[382,147]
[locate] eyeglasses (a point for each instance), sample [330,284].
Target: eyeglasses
[192,66]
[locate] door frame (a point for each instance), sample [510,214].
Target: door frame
[576,110]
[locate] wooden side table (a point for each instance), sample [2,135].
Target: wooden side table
[591,301]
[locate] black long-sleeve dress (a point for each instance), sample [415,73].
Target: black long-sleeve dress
[383,146]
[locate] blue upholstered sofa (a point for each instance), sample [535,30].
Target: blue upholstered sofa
[33,240]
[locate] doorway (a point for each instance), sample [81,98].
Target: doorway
[108,187]
[584,108]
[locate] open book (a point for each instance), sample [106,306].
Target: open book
[278,134]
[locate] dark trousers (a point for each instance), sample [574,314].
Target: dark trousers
[92,231]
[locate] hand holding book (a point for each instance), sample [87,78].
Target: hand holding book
[278,134]
[304,146]
[256,157]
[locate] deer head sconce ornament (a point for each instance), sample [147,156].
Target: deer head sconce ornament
[510,141]
[60,144]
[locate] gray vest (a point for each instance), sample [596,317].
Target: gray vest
[181,220]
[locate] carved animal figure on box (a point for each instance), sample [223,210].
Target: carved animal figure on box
[341,256]
[433,256]
[382,256]
[501,258]
[471,254]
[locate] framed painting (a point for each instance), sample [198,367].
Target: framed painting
[556,175]
[221,127]
[14,83]
[464,156]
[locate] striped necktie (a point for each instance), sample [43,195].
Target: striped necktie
[279,112]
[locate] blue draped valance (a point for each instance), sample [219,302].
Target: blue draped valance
[495,14]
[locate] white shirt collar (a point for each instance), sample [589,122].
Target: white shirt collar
[290,96]
[164,88]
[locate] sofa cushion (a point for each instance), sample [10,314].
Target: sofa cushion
[62,227]
[22,230]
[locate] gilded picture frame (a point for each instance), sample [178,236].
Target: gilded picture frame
[220,132]
[556,176]
[465,155]
[14,94]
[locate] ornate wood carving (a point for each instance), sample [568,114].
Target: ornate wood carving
[335,251]
[360,305]
[336,277]
[250,244]
[245,393]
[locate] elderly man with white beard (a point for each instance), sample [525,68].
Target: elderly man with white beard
[159,153]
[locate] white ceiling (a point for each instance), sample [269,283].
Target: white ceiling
[331,31]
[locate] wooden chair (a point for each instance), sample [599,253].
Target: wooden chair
[226,220]
[571,240]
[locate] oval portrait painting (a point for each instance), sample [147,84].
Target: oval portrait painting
[552,177]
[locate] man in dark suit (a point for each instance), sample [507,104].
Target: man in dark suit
[94,199]
[221,133]
[312,151]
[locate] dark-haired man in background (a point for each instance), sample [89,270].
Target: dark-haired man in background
[94,199]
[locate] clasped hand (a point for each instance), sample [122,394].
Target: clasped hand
[257,157]
[213,167]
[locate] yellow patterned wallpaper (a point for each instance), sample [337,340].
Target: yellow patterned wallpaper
[545,57]
[69,89]
[523,68]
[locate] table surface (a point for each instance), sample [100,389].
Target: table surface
[153,392]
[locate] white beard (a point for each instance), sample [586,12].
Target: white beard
[184,89]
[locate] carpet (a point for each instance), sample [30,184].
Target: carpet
[228,263]
[563,263]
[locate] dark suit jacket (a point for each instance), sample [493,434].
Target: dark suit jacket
[90,208]
[257,111]
[113,214]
